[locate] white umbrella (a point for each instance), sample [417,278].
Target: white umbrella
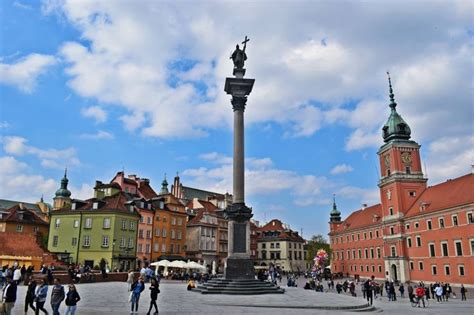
[161,263]
[177,264]
[195,265]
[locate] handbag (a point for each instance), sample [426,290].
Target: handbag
[130,297]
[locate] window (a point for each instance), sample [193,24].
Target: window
[447,270]
[122,242]
[140,233]
[367,268]
[372,253]
[139,248]
[105,241]
[76,223]
[434,270]
[420,265]
[407,170]
[55,241]
[380,268]
[87,241]
[19,228]
[370,234]
[411,265]
[458,248]
[393,251]
[163,233]
[57,222]
[180,221]
[163,248]
[432,250]
[124,225]
[88,224]
[106,223]
[444,249]
[36,229]
[173,221]
[412,193]
[392,230]
[455,220]
[390,210]
[132,225]
[418,241]
[353,254]
[416,225]
[272,245]
[377,234]
[148,220]
[264,245]
[173,234]
[409,241]
[147,248]
[156,247]
[277,245]
[378,252]
[441,223]
[472,247]
[470,219]
[365,236]
[407,227]
[142,219]
[366,251]
[95,205]
[360,253]
[148,234]
[130,242]
[179,234]
[461,270]
[428,224]
[74,241]
[157,232]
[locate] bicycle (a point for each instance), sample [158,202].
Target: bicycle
[417,302]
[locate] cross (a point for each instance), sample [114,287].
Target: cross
[245,41]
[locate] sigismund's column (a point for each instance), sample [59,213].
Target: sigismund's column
[239,264]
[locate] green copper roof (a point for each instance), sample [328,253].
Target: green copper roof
[335,214]
[395,128]
[63,191]
[164,187]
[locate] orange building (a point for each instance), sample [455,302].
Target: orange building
[416,233]
[169,237]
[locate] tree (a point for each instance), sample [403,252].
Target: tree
[318,242]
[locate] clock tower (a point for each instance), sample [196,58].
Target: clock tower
[402,181]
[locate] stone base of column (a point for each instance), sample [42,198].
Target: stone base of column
[239,269]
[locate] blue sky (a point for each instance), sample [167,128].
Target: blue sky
[98,86]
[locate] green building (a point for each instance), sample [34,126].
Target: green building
[103,227]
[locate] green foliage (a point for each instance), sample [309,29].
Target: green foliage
[318,242]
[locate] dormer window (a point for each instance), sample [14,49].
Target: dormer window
[95,205]
[73,206]
[401,127]
[149,206]
[162,205]
[142,205]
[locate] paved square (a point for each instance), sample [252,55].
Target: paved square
[112,298]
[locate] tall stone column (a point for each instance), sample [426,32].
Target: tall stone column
[239,264]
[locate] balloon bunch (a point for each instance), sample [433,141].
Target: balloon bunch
[320,260]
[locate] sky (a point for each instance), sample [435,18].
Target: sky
[104,86]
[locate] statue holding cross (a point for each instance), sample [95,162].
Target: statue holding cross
[239,56]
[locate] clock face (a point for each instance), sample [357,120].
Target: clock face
[406,157]
[387,160]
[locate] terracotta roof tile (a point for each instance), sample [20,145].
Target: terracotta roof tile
[16,214]
[361,218]
[452,193]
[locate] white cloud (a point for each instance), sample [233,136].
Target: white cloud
[19,5]
[360,139]
[95,112]
[21,186]
[99,135]
[50,158]
[4,125]
[365,195]
[25,72]
[341,169]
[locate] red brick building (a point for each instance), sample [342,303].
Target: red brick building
[416,232]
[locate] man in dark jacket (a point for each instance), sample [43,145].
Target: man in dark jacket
[9,295]
[57,296]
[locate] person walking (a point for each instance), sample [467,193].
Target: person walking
[463,293]
[17,276]
[155,289]
[30,296]
[130,279]
[420,295]
[72,297]
[41,292]
[439,293]
[9,295]
[137,288]
[402,290]
[57,296]
[369,291]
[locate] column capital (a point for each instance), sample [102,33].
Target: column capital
[238,103]
[238,212]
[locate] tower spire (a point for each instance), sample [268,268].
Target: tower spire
[391,95]
[335,214]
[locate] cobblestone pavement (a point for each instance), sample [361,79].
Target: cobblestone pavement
[112,298]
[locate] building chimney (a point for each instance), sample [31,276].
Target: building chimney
[364,206]
[21,206]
